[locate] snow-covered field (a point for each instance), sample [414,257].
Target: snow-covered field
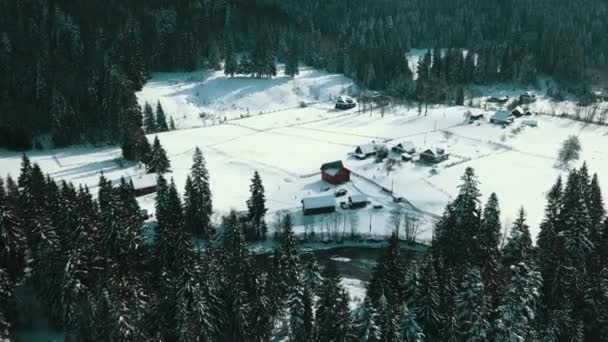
[287,144]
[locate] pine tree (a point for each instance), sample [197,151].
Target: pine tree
[332,315]
[171,124]
[518,313]
[519,246]
[198,205]
[312,275]
[410,330]
[548,238]
[12,241]
[256,205]
[159,163]
[231,64]
[471,308]
[426,309]
[214,57]
[388,316]
[488,262]
[299,311]
[149,119]
[365,322]
[161,119]
[8,310]
[291,66]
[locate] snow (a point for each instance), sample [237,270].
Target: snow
[340,259]
[356,291]
[288,144]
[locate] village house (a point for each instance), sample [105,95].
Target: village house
[364,151]
[501,117]
[518,112]
[527,97]
[335,173]
[404,147]
[318,205]
[143,184]
[434,155]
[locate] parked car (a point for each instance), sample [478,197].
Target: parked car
[340,192]
[344,205]
[398,199]
[378,206]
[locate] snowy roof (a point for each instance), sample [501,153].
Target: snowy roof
[357,199]
[435,151]
[345,99]
[501,115]
[367,148]
[139,181]
[518,109]
[332,166]
[319,202]
[406,146]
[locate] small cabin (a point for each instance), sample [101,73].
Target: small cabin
[501,117]
[345,102]
[335,173]
[318,205]
[527,97]
[518,112]
[357,201]
[144,184]
[406,157]
[501,100]
[404,147]
[364,151]
[434,155]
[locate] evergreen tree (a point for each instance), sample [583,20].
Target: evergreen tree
[231,64]
[161,119]
[332,314]
[410,330]
[490,240]
[149,119]
[198,206]
[256,205]
[471,308]
[12,241]
[427,310]
[312,275]
[366,322]
[171,124]
[548,238]
[519,311]
[159,163]
[291,65]
[519,246]
[8,310]
[214,57]
[390,325]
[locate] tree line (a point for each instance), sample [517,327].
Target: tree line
[100,276]
[70,70]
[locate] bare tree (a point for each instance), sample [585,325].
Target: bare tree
[570,151]
[389,165]
[411,226]
[353,223]
[395,220]
[309,227]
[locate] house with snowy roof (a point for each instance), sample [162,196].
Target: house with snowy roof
[335,172]
[318,205]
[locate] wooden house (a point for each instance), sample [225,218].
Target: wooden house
[335,173]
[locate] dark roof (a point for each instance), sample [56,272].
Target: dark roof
[357,199]
[333,165]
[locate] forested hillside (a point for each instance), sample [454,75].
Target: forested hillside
[70,68]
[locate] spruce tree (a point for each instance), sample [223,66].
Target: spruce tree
[8,309]
[231,64]
[332,314]
[161,119]
[489,260]
[471,308]
[410,330]
[548,238]
[159,163]
[149,119]
[291,65]
[171,124]
[198,206]
[426,309]
[12,239]
[366,322]
[519,246]
[256,205]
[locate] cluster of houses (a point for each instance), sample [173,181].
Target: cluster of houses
[406,150]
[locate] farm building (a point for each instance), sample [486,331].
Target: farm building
[335,172]
[318,205]
[473,116]
[434,155]
[142,184]
[406,157]
[404,147]
[345,102]
[495,99]
[501,117]
[357,201]
[364,151]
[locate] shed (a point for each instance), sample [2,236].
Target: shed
[404,147]
[501,117]
[364,151]
[475,116]
[434,155]
[527,97]
[502,99]
[357,201]
[335,172]
[143,184]
[318,205]
[406,157]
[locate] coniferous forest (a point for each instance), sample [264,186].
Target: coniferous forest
[69,69]
[100,274]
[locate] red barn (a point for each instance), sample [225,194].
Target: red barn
[335,172]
